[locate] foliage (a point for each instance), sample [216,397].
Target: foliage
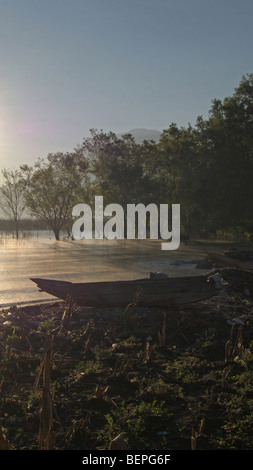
[118,165]
[206,168]
[53,187]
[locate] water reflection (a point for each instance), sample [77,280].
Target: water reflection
[84,261]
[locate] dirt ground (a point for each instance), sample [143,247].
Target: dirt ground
[176,378]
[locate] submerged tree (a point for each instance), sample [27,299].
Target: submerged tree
[53,186]
[12,197]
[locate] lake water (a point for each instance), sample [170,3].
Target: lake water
[84,261]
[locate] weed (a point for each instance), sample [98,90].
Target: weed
[185,370]
[133,420]
[11,338]
[47,326]
[159,388]
[206,338]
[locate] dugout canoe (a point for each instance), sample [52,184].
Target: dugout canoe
[158,292]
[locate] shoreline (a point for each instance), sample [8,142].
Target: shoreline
[29,303]
[106,264]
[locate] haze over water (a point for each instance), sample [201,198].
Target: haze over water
[84,261]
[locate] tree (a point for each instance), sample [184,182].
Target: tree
[120,168]
[209,168]
[178,174]
[12,197]
[53,187]
[227,159]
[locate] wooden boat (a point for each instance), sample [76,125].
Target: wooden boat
[158,292]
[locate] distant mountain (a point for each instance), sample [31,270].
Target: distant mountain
[143,134]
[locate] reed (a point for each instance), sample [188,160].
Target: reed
[46,434]
[149,353]
[162,334]
[134,305]
[122,364]
[118,443]
[234,345]
[196,434]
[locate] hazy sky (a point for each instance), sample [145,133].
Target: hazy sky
[70,65]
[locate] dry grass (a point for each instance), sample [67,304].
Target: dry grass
[234,346]
[149,353]
[46,434]
[162,334]
[177,368]
[196,434]
[4,443]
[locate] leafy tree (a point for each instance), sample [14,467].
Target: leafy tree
[121,168]
[209,168]
[227,150]
[206,168]
[12,196]
[54,186]
[114,165]
[117,165]
[178,174]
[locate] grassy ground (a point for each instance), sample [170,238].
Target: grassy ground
[171,379]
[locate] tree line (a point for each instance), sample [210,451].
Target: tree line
[207,168]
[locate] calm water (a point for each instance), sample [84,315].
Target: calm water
[84,261]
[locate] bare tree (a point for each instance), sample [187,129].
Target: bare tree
[11,197]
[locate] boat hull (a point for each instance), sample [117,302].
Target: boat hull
[145,292]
